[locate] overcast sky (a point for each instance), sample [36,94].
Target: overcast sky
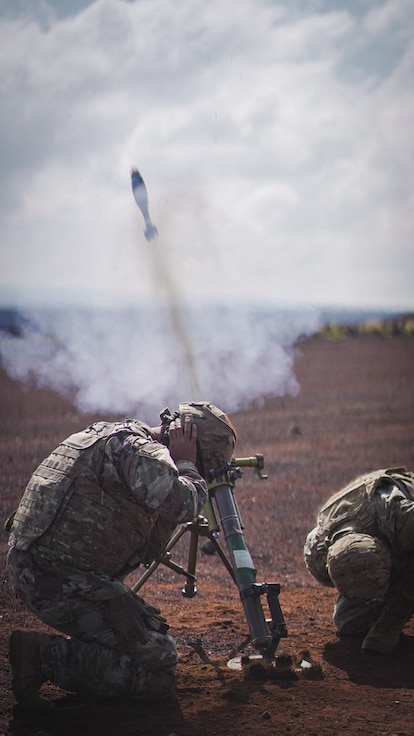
[275,139]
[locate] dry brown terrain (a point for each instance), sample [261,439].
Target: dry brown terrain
[355,412]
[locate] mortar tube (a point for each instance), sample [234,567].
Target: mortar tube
[245,572]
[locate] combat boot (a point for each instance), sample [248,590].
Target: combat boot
[384,636]
[27,676]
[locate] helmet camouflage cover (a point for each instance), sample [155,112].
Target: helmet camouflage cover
[360,567]
[216,436]
[315,559]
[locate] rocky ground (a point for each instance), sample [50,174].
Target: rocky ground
[354,413]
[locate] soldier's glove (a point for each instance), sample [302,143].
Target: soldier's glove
[131,618]
[152,616]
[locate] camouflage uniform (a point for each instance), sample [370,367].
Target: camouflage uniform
[379,504]
[105,500]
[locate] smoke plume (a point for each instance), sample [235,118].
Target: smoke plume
[129,361]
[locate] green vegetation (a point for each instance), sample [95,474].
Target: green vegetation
[398,325]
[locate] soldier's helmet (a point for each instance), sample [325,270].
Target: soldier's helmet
[359,566]
[216,436]
[314,556]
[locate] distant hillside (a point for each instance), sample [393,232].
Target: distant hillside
[388,327]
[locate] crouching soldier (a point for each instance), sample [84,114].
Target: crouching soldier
[106,500]
[363,545]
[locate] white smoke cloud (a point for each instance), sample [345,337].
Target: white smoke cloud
[133,361]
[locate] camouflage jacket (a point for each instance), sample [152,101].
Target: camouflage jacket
[380,503]
[94,503]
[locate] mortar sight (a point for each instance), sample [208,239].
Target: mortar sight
[233,470]
[255,461]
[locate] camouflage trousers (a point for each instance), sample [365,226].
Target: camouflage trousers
[351,617]
[88,660]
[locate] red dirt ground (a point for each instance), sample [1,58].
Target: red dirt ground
[354,413]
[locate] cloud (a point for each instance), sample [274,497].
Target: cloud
[275,143]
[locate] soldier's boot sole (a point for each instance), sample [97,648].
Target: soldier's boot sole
[27,677]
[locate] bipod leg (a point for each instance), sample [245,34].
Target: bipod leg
[190,589]
[163,558]
[223,557]
[278,624]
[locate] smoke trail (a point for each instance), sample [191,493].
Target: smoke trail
[164,283]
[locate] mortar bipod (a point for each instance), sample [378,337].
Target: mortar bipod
[197,528]
[264,633]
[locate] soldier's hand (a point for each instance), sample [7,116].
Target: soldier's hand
[183,440]
[131,619]
[125,616]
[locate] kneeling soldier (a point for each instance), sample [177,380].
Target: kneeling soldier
[363,545]
[106,500]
